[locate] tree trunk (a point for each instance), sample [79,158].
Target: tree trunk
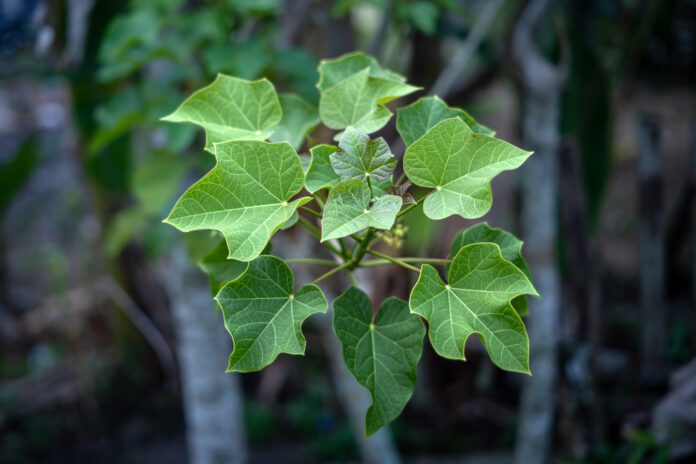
[652,256]
[213,403]
[542,83]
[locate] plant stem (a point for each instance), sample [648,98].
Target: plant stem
[319,200]
[362,247]
[401,178]
[317,261]
[311,211]
[394,260]
[384,262]
[410,207]
[333,271]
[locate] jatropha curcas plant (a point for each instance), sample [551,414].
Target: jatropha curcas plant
[346,197]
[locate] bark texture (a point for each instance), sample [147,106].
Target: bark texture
[212,398]
[542,83]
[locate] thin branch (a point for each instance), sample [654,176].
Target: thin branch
[332,272]
[137,316]
[311,211]
[385,262]
[317,261]
[393,260]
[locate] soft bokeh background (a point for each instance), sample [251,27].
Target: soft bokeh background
[111,351]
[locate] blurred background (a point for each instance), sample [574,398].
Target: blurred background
[110,347]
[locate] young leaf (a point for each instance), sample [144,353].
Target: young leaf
[510,247]
[246,196]
[459,165]
[264,316]
[414,120]
[361,158]
[219,268]
[476,300]
[231,109]
[299,119]
[348,210]
[354,90]
[382,355]
[320,174]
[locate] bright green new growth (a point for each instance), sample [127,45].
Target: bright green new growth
[258,188]
[264,316]
[232,109]
[354,90]
[382,354]
[361,158]
[247,196]
[459,164]
[348,210]
[476,299]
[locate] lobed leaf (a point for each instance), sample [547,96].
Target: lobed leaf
[459,164]
[382,355]
[348,210]
[219,268]
[476,299]
[264,316]
[361,158]
[353,91]
[247,195]
[510,248]
[232,109]
[320,174]
[414,120]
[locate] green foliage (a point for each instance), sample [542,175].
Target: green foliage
[264,316]
[256,189]
[232,109]
[247,196]
[459,165]
[476,299]
[381,352]
[348,210]
[510,248]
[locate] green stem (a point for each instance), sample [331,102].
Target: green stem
[317,261]
[332,272]
[410,207]
[319,200]
[401,179]
[394,260]
[311,211]
[384,262]
[362,247]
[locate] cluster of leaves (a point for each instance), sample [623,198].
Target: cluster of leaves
[258,187]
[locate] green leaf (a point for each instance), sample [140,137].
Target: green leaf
[219,268]
[459,165]
[382,355]
[354,90]
[231,109]
[348,210]
[264,316]
[476,300]
[247,195]
[510,247]
[414,120]
[299,119]
[361,158]
[320,174]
